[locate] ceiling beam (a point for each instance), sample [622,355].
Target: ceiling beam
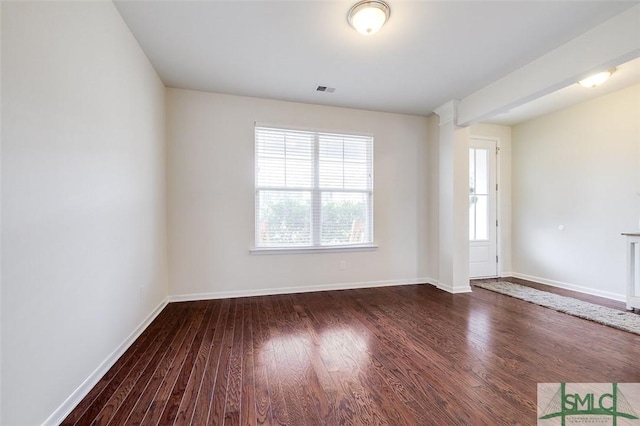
[610,44]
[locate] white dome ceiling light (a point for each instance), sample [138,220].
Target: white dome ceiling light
[596,79]
[368,16]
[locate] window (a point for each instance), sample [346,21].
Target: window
[478,194]
[313,189]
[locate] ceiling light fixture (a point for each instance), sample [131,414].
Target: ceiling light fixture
[596,79]
[368,16]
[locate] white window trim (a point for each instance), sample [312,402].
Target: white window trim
[370,246]
[314,249]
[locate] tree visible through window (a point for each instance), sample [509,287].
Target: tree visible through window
[313,189]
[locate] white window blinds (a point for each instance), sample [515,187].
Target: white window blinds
[313,189]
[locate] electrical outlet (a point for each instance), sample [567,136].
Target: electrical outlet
[343,265]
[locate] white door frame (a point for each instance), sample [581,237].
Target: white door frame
[497,195]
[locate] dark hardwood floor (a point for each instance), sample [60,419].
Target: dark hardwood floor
[411,355]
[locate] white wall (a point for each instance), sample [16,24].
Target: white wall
[433,195]
[211,196]
[423,211]
[0,212]
[502,134]
[83,198]
[578,167]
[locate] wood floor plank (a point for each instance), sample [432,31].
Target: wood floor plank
[279,411]
[316,370]
[351,402]
[426,374]
[391,395]
[305,381]
[396,355]
[280,365]
[190,394]
[234,384]
[352,347]
[476,374]
[109,401]
[342,405]
[157,373]
[447,357]
[261,359]
[248,403]
[219,391]
[170,411]
[207,385]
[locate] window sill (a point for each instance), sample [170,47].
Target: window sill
[303,250]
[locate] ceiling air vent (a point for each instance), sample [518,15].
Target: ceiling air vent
[325,89]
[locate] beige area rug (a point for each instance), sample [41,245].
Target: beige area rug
[622,320]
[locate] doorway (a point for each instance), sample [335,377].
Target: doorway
[483,201]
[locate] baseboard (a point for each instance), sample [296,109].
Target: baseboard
[301,289]
[568,286]
[74,399]
[451,289]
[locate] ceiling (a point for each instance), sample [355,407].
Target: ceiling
[427,54]
[625,75]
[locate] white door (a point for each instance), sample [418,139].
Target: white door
[483,224]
